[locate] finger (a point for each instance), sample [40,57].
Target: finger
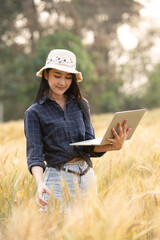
[46,189]
[120,128]
[42,201]
[128,130]
[124,126]
[40,198]
[114,133]
[41,205]
[44,208]
[111,140]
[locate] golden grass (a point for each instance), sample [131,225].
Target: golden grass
[128,202]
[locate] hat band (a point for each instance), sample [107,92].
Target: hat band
[61,61]
[58,64]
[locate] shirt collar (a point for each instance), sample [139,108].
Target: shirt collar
[46,98]
[43,99]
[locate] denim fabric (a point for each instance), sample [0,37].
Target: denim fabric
[66,187]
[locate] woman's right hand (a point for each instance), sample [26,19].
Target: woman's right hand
[41,189]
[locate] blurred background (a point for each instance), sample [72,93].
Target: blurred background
[116,43]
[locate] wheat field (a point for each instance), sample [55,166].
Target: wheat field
[126,207]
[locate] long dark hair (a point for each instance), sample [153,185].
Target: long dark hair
[44,88]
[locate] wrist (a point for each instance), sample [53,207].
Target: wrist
[39,183]
[38,175]
[103,148]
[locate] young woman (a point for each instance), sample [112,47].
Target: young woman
[55,120]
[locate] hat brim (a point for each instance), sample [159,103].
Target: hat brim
[61,68]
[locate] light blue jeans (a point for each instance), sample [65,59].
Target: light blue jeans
[67,187]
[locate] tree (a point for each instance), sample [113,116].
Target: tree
[22,85]
[152,94]
[65,27]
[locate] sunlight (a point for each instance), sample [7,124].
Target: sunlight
[126,37]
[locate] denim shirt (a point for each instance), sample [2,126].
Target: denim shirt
[49,131]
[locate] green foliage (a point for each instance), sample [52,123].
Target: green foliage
[67,40]
[18,79]
[101,85]
[133,102]
[108,97]
[15,79]
[152,96]
[111,98]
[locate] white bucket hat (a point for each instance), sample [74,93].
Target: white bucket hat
[62,60]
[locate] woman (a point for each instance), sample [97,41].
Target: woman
[55,120]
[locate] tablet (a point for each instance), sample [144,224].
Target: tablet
[133,118]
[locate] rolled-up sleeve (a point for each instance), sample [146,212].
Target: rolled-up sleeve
[34,146]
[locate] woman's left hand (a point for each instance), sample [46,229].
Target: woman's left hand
[118,140]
